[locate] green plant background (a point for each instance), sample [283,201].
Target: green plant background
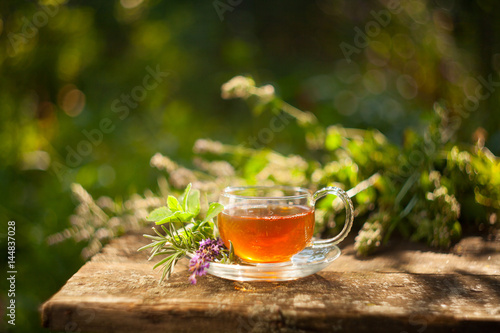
[64,77]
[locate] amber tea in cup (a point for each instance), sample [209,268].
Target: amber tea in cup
[271,224]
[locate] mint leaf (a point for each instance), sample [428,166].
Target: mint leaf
[159,214]
[173,204]
[193,202]
[186,197]
[214,209]
[177,217]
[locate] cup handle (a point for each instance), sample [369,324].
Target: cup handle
[349,215]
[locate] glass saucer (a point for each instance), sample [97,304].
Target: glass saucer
[305,263]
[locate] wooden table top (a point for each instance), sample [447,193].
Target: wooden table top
[405,288]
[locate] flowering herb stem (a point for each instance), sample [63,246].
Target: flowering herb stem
[195,236]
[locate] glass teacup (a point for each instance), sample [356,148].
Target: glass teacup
[269,224]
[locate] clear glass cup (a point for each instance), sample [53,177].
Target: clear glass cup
[269,224]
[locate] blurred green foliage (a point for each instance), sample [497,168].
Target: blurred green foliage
[66,65]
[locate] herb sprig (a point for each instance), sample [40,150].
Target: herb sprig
[176,243]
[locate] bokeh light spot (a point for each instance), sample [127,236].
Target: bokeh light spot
[374,81]
[69,64]
[391,109]
[35,160]
[442,19]
[470,86]
[378,53]
[412,68]
[407,86]
[130,3]
[450,70]
[404,46]
[151,37]
[71,100]
[417,11]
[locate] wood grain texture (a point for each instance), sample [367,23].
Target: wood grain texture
[406,288]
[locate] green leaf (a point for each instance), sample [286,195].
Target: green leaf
[159,214]
[184,216]
[333,139]
[168,269]
[155,238]
[193,203]
[173,204]
[177,217]
[214,209]
[186,197]
[161,262]
[150,245]
[165,252]
[167,232]
[456,231]
[231,251]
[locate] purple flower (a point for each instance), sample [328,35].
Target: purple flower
[205,242]
[192,278]
[208,250]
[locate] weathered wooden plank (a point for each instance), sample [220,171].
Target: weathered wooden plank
[405,288]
